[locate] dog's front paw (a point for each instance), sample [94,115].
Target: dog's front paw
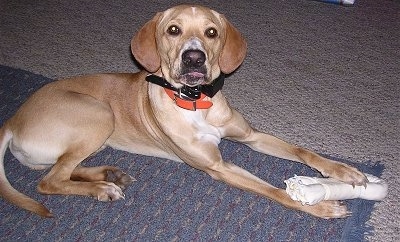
[346,173]
[119,178]
[108,191]
[328,210]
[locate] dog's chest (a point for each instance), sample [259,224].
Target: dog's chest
[204,131]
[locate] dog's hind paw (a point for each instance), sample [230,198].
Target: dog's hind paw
[119,178]
[109,192]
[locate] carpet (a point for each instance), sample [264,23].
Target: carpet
[170,201]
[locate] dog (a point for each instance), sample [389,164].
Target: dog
[185,53]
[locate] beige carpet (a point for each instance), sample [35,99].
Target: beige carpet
[319,75]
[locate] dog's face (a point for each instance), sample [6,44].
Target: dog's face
[191,45]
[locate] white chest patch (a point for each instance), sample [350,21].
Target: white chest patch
[204,131]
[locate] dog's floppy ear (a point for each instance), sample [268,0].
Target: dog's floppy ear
[144,46]
[234,49]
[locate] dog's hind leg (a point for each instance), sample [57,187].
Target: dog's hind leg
[63,132]
[102,173]
[60,129]
[92,130]
[58,181]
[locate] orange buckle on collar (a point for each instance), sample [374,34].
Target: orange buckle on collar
[192,105]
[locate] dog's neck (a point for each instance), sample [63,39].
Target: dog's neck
[191,98]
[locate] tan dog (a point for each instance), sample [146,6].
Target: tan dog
[66,121]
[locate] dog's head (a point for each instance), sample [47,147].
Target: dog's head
[191,45]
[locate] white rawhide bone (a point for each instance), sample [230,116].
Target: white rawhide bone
[312,190]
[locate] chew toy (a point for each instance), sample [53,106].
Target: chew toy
[312,190]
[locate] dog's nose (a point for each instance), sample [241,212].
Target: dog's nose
[193,58]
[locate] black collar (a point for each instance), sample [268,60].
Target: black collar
[193,93]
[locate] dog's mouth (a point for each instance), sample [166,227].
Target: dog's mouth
[193,78]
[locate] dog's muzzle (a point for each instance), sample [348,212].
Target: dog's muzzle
[193,67]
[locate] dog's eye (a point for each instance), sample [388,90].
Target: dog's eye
[174,30]
[211,33]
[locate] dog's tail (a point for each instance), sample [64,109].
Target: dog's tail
[7,191]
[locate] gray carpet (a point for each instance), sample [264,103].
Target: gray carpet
[319,75]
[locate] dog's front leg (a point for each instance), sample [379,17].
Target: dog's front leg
[209,159]
[238,129]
